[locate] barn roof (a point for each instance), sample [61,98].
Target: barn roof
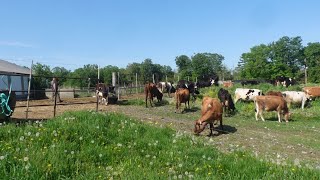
[11,68]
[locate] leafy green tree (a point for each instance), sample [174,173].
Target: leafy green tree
[81,76]
[42,75]
[61,72]
[256,63]
[106,73]
[287,57]
[184,65]
[206,64]
[147,68]
[312,54]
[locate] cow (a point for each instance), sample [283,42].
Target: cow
[296,97]
[227,84]
[102,92]
[190,86]
[151,90]
[312,91]
[285,81]
[166,87]
[226,101]
[274,93]
[211,112]
[182,96]
[246,94]
[271,103]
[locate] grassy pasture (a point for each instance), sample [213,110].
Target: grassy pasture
[89,145]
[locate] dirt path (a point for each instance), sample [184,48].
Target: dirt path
[262,142]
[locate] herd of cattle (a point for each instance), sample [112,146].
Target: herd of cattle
[212,109]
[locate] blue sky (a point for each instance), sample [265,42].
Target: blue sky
[72,33]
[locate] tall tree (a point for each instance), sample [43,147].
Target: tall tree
[205,65]
[312,54]
[43,76]
[61,72]
[184,65]
[256,63]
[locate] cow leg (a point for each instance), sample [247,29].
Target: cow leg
[260,113]
[257,111]
[146,100]
[302,104]
[221,125]
[279,116]
[211,129]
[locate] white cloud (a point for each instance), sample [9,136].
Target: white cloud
[16,44]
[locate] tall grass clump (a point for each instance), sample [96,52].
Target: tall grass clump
[89,145]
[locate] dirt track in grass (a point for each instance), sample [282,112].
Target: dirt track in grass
[261,139]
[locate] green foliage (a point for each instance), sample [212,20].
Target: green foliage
[312,54]
[61,72]
[87,145]
[88,71]
[43,73]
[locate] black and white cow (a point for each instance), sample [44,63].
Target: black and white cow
[102,91]
[190,86]
[284,81]
[246,94]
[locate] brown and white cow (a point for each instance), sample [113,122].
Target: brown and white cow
[211,112]
[151,91]
[271,103]
[182,95]
[312,91]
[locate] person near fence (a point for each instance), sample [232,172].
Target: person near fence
[55,88]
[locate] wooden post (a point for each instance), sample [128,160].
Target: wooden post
[166,78]
[137,83]
[97,95]
[55,101]
[153,78]
[89,85]
[29,86]
[118,85]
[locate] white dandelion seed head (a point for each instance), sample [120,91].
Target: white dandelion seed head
[100,155]
[80,138]
[37,134]
[21,138]
[29,133]
[25,159]
[180,165]
[72,152]
[119,144]
[92,141]
[1,157]
[180,176]
[151,163]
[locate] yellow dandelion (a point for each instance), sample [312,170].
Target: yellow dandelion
[49,165]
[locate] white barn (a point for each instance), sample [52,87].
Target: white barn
[15,75]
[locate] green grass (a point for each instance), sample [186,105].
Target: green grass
[88,145]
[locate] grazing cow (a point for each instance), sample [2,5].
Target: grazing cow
[296,97]
[274,93]
[226,101]
[102,91]
[312,91]
[211,112]
[182,96]
[227,84]
[246,94]
[271,103]
[151,91]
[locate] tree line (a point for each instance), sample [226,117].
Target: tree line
[284,57]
